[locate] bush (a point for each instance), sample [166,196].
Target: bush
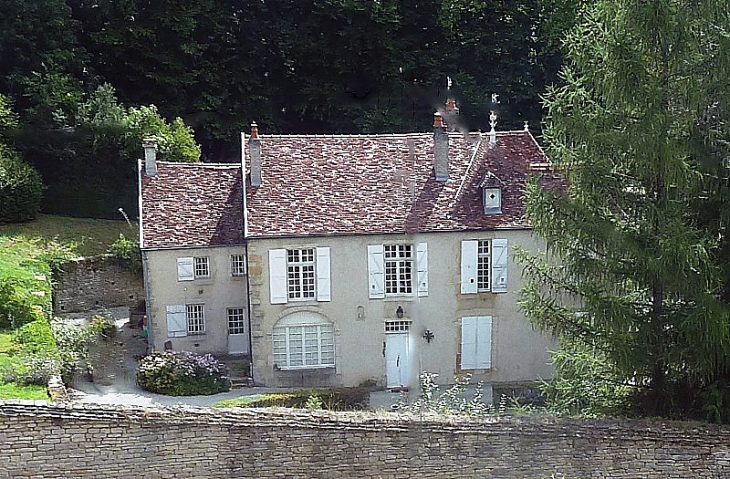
[127,250]
[21,189]
[182,374]
[337,399]
[37,355]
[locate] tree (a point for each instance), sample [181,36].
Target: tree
[635,267]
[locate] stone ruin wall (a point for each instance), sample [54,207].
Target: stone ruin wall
[91,284]
[56,440]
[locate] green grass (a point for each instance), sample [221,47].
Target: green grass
[243,401]
[83,236]
[14,391]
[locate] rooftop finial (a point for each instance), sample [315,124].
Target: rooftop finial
[254,130]
[527,125]
[492,123]
[448,83]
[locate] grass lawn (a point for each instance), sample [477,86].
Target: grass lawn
[84,236]
[14,391]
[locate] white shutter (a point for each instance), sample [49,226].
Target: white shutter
[376,271]
[468,343]
[499,265]
[484,342]
[476,342]
[469,250]
[422,267]
[277,276]
[323,274]
[177,322]
[185,269]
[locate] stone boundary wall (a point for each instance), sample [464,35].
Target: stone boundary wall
[88,284]
[56,440]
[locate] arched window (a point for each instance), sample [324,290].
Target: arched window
[304,340]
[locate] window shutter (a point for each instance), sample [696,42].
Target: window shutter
[422,266]
[323,274]
[469,251]
[499,265]
[468,343]
[484,342]
[277,276]
[177,323]
[376,271]
[476,342]
[185,269]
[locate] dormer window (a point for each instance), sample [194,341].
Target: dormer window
[492,201]
[491,194]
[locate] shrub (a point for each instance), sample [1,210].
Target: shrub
[21,189]
[128,251]
[182,374]
[337,399]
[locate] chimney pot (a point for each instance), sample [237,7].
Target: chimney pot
[440,149]
[150,156]
[254,148]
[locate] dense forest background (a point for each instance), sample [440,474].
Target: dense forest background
[73,70]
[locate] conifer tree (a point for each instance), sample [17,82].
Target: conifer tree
[635,265]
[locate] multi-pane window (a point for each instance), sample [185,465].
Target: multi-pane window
[397,326]
[304,346]
[484,264]
[300,273]
[202,267]
[238,265]
[398,268]
[196,318]
[236,321]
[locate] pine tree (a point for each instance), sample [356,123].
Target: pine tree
[635,264]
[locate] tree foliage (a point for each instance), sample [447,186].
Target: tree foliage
[637,265]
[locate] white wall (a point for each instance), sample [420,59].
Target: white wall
[217,293]
[519,353]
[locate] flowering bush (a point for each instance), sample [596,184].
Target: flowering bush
[182,373]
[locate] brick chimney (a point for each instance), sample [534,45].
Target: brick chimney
[440,149]
[150,156]
[254,148]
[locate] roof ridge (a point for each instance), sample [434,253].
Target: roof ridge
[200,164]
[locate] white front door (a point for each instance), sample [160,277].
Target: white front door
[237,337]
[397,360]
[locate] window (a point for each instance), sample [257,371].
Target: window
[238,265]
[301,274]
[195,318]
[398,326]
[184,320]
[202,267]
[190,268]
[492,201]
[236,321]
[476,342]
[304,340]
[396,270]
[484,266]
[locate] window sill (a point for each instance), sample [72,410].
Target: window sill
[300,368]
[399,297]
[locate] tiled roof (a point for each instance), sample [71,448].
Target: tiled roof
[321,185]
[192,204]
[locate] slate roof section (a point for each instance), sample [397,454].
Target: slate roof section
[192,204]
[373,184]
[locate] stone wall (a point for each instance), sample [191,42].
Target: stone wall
[47,440]
[94,283]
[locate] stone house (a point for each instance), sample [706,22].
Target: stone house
[347,259]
